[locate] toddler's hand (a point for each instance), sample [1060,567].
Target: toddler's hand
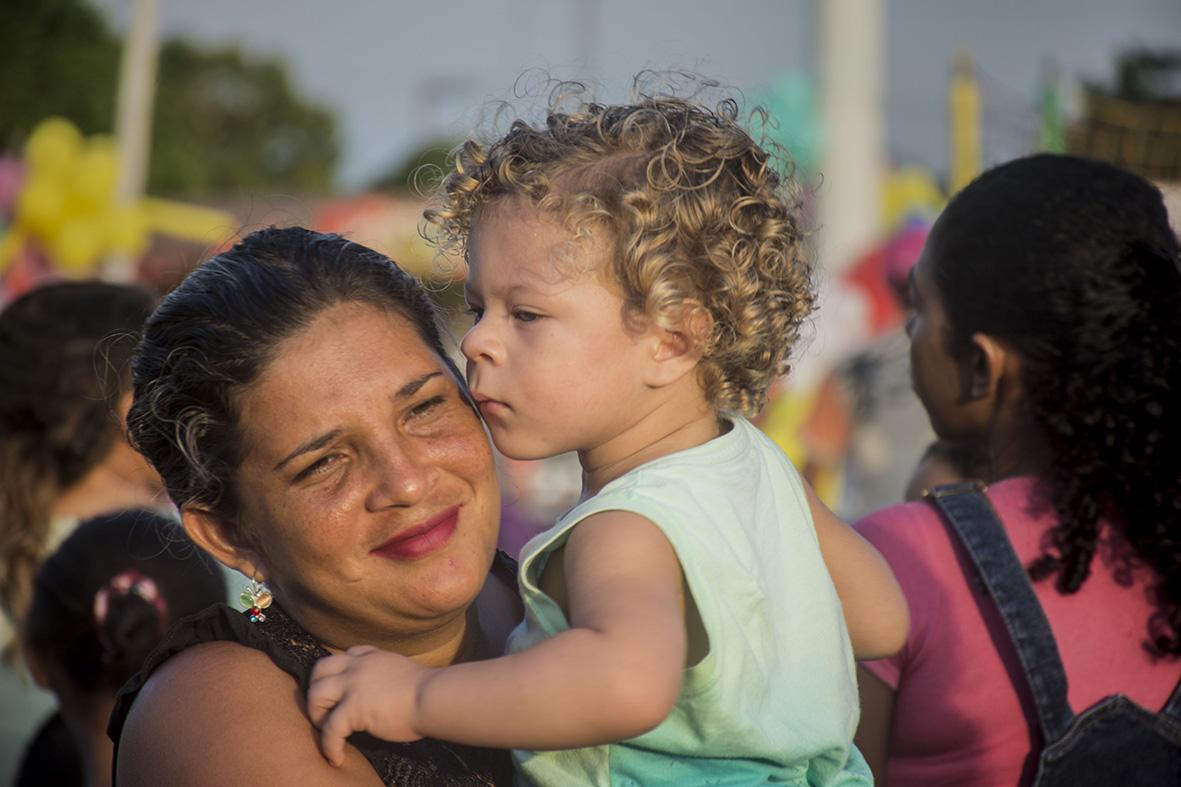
[363,690]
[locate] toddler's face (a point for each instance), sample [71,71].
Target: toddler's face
[550,362]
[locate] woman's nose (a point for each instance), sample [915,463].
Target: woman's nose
[480,345]
[403,477]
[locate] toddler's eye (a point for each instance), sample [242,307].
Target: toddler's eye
[911,317]
[525,316]
[475,312]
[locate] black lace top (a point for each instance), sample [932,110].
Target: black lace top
[419,764]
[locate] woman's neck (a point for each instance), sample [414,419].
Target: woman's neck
[458,638]
[1015,447]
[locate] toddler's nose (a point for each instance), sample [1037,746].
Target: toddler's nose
[480,346]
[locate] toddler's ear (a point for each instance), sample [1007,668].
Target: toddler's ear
[677,352]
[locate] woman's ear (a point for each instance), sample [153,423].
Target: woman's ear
[988,362]
[219,538]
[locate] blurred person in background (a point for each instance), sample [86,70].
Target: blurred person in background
[99,605]
[65,381]
[1045,329]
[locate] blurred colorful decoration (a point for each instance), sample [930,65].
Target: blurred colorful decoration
[1051,128]
[793,120]
[66,202]
[964,119]
[389,224]
[808,414]
[59,213]
[196,223]
[908,193]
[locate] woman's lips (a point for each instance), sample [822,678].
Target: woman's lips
[423,539]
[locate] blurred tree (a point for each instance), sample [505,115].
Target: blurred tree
[419,172]
[223,121]
[57,57]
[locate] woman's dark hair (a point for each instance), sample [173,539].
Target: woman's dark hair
[65,353]
[215,334]
[1073,262]
[105,598]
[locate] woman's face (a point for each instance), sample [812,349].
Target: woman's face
[935,372]
[367,483]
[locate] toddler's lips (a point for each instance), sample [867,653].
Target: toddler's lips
[490,406]
[421,540]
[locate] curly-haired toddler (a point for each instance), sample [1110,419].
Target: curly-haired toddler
[637,282]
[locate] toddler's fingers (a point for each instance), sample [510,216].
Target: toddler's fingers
[324,694]
[333,732]
[331,665]
[360,650]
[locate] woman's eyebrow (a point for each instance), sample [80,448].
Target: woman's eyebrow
[411,388]
[311,445]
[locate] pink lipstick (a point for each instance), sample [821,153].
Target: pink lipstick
[421,540]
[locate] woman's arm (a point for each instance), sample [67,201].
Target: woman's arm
[614,674]
[222,713]
[873,732]
[875,608]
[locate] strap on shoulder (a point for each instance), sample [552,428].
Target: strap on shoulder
[979,529]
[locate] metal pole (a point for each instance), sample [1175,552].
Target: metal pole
[137,88]
[133,118]
[851,66]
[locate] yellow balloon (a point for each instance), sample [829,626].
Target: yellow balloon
[98,169]
[910,191]
[40,206]
[53,147]
[76,246]
[127,230]
[11,243]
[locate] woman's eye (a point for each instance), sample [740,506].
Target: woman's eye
[422,408]
[318,467]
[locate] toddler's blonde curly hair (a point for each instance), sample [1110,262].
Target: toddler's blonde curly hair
[697,210]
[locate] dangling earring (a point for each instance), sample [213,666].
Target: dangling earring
[257,598]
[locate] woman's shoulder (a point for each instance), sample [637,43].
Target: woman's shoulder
[223,712]
[221,684]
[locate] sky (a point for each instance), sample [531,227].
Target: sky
[400,74]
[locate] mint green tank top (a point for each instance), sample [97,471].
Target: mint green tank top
[775,699]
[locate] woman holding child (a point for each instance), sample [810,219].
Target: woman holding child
[295,396]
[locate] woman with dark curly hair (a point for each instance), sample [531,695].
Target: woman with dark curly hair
[1046,328]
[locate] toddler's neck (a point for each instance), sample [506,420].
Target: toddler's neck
[647,441]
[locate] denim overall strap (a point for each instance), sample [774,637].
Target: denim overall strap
[983,536]
[1172,709]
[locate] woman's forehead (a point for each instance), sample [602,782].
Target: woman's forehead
[350,357]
